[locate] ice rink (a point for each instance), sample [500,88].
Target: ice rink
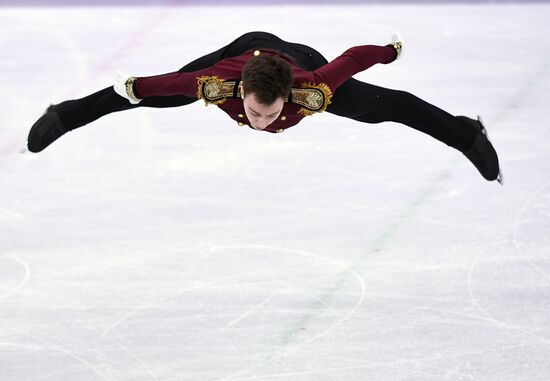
[174,245]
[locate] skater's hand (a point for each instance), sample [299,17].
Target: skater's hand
[123,86]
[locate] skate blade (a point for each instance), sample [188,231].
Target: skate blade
[25,149]
[499,178]
[483,129]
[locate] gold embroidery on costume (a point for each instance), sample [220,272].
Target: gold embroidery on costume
[312,97]
[130,89]
[214,90]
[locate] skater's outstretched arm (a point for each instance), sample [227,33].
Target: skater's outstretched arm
[178,83]
[353,61]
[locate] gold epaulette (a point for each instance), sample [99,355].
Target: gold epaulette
[312,97]
[214,90]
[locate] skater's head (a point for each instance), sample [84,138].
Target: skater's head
[266,83]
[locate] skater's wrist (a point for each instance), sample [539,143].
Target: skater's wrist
[397,45]
[124,86]
[394,52]
[130,89]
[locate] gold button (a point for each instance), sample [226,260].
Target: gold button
[280,130]
[241,116]
[241,124]
[256,53]
[283,117]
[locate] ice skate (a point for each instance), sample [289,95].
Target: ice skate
[482,153]
[45,131]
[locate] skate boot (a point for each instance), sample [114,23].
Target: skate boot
[45,131]
[481,153]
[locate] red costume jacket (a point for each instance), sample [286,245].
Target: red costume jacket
[311,92]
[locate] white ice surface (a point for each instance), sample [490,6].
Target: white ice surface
[170,245]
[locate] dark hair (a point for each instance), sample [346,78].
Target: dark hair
[268,78]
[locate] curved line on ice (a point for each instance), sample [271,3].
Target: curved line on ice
[23,282]
[515,240]
[282,350]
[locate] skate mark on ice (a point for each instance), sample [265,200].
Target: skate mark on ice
[390,230]
[22,282]
[105,334]
[157,302]
[19,345]
[139,361]
[286,347]
[100,354]
[55,347]
[82,324]
[136,358]
[250,311]
[345,268]
[540,191]
[473,297]
[490,318]
[383,364]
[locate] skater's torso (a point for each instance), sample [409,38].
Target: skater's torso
[221,89]
[311,93]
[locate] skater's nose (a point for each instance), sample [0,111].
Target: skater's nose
[260,124]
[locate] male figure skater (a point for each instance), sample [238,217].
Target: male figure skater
[269,84]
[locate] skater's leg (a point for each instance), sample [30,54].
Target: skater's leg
[305,56]
[66,116]
[372,104]
[79,112]
[235,48]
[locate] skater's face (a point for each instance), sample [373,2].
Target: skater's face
[260,115]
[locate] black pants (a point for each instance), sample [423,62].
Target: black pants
[353,99]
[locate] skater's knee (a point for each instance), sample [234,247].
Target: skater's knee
[387,106]
[398,97]
[397,103]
